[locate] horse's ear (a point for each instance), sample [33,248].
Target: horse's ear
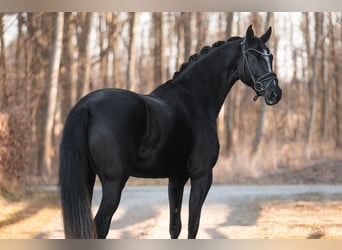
[267,35]
[249,33]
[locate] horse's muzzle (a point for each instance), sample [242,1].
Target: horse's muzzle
[273,93]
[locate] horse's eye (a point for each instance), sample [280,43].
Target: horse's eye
[253,58]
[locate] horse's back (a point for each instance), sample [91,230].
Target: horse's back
[116,108]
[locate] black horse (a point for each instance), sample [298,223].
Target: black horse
[170,133]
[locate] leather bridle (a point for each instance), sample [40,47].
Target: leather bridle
[262,82]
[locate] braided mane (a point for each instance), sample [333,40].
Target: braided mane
[204,51]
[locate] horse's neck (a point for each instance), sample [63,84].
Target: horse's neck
[210,79]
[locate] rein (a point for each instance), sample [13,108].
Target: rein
[262,82]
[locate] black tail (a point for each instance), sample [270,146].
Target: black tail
[76,176]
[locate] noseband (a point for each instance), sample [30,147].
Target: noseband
[262,82]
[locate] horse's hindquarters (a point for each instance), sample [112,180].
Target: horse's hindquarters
[117,125]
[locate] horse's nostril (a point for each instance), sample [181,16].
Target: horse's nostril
[274,95]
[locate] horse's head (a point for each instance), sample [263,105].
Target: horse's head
[255,68]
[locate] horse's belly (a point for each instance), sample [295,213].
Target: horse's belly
[159,167]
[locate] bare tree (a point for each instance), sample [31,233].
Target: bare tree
[108,33]
[186,17]
[3,95]
[20,61]
[338,73]
[52,91]
[40,33]
[104,49]
[256,20]
[180,40]
[314,134]
[68,67]
[230,109]
[332,80]
[131,70]
[84,53]
[114,31]
[159,48]
[202,28]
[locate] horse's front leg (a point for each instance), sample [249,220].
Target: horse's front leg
[176,188]
[200,186]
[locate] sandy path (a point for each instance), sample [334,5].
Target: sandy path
[239,212]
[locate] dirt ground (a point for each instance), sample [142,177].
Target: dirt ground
[310,216]
[25,218]
[324,171]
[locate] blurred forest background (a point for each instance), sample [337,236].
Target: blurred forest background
[49,60]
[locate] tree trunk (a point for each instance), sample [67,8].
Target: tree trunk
[117,82]
[256,20]
[202,27]
[68,70]
[186,16]
[180,41]
[3,88]
[229,24]
[229,105]
[332,81]
[324,86]
[37,44]
[131,71]
[52,92]
[84,53]
[19,65]
[314,135]
[101,30]
[159,48]
[105,43]
[307,39]
[338,73]
[111,26]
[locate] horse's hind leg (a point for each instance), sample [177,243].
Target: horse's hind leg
[91,183]
[111,195]
[176,188]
